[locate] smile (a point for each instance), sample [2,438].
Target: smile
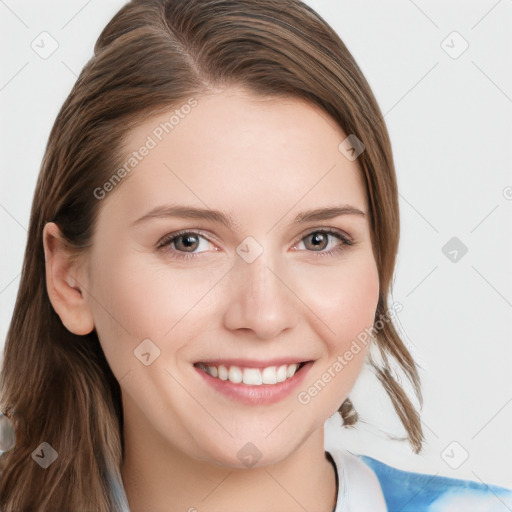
[252,376]
[265,385]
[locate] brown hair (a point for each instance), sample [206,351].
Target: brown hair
[56,386]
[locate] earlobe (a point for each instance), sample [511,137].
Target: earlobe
[64,287]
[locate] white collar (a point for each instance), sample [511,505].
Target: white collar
[359,489]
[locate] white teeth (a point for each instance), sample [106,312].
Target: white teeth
[268,375]
[281,373]
[291,369]
[235,374]
[252,376]
[223,372]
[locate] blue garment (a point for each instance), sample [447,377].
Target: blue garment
[366,484]
[406,491]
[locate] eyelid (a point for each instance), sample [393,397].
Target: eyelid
[175,234]
[327,229]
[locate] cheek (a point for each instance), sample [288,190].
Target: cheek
[135,300]
[128,308]
[344,297]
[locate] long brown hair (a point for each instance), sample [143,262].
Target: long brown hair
[56,386]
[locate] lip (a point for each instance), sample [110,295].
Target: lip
[263,394]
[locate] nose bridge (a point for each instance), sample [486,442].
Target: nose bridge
[259,299]
[260,281]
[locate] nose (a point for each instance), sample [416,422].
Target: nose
[261,298]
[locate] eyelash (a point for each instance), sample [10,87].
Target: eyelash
[166,240]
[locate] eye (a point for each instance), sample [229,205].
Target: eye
[184,242]
[317,241]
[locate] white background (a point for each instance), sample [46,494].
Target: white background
[450,125]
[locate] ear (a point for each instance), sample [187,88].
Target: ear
[63,284]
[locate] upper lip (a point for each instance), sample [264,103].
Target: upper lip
[254,363]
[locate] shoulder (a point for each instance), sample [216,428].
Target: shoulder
[358,486]
[408,491]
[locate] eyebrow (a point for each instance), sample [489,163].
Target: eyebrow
[207,214]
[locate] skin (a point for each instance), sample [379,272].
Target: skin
[262,161]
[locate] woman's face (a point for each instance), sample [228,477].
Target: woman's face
[254,280]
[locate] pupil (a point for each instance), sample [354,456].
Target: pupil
[189,240]
[318,238]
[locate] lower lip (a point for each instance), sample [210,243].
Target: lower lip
[263,394]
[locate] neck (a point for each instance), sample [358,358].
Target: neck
[159,477]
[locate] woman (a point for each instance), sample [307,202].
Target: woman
[210,252]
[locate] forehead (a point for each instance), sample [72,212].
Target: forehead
[235,151]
